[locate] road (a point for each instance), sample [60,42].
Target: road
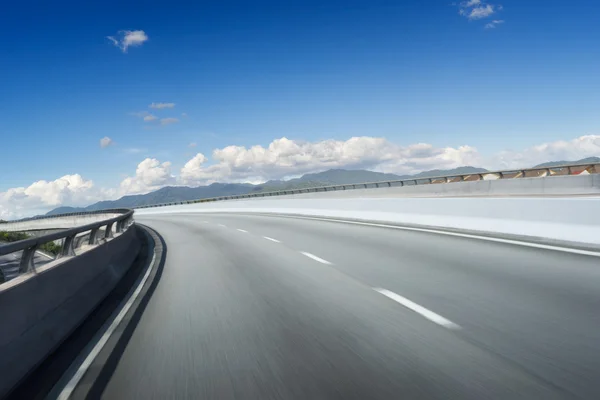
[257,307]
[9,263]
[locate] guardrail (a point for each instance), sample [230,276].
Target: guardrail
[541,172]
[30,246]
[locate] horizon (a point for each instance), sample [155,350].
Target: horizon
[288,179]
[99,105]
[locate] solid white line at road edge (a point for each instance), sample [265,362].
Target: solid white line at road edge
[271,239]
[241,230]
[430,315]
[65,394]
[457,234]
[315,258]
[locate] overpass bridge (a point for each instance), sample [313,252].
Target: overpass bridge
[322,294]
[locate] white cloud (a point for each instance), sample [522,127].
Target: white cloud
[161,105]
[41,196]
[126,39]
[578,148]
[167,121]
[192,145]
[105,142]
[478,9]
[481,12]
[150,175]
[494,24]
[184,114]
[284,157]
[149,118]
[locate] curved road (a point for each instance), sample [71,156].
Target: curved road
[258,307]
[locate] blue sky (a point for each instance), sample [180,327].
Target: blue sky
[247,73]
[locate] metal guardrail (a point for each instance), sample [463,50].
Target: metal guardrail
[31,245]
[561,170]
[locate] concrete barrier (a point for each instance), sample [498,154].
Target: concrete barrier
[562,219]
[40,310]
[580,185]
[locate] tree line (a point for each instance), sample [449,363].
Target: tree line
[49,247]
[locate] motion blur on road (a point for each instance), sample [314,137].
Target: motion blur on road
[253,307]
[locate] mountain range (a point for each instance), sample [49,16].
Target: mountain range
[330,177]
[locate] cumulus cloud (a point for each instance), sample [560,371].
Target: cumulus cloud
[477,9]
[481,12]
[42,195]
[284,157]
[150,175]
[126,39]
[149,118]
[578,148]
[105,142]
[160,106]
[167,121]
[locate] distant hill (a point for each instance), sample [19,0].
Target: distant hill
[165,195]
[559,163]
[446,172]
[183,193]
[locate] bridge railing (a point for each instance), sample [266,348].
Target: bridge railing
[539,172]
[94,232]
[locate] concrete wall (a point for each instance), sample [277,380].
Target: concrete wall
[39,311]
[564,219]
[55,223]
[549,186]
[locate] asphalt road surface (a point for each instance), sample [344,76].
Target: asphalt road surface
[263,307]
[9,263]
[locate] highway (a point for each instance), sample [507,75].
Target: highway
[9,263]
[257,307]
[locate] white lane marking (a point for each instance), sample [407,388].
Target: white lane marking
[430,315]
[241,230]
[464,235]
[271,239]
[45,255]
[224,226]
[65,394]
[315,258]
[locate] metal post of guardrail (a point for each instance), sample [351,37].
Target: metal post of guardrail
[93,234]
[108,232]
[67,249]
[27,260]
